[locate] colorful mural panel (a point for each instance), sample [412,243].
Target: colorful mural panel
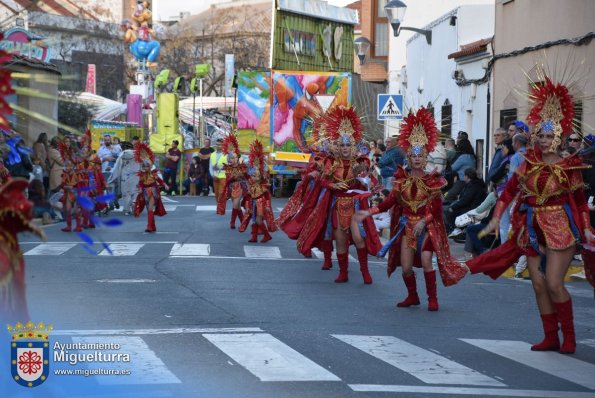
[296,97]
[254,91]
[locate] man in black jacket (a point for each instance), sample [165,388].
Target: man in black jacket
[471,196]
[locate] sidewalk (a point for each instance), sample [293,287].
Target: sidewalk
[575,272]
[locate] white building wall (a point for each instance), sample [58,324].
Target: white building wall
[429,72]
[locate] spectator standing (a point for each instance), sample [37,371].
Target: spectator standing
[172,160]
[205,158]
[40,150]
[56,164]
[116,147]
[390,160]
[499,136]
[574,141]
[217,161]
[451,150]
[105,153]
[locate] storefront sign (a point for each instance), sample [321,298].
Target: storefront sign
[20,41]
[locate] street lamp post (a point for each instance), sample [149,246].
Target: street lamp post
[362,44]
[395,10]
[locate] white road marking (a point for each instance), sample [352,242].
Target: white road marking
[268,358]
[206,208]
[420,363]
[122,249]
[320,255]
[126,280]
[50,249]
[482,392]
[170,207]
[262,252]
[144,364]
[562,366]
[74,243]
[135,332]
[190,249]
[589,342]
[165,199]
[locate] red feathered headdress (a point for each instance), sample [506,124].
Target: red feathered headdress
[85,141]
[142,153]
[230,145]
[552,110]
[66,152]
[257,153]
[343,123]
[419,133]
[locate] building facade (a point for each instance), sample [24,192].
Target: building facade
[435,74]
[544,31]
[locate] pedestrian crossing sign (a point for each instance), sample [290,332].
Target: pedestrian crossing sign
[390,106]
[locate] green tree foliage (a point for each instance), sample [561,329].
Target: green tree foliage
[74,114]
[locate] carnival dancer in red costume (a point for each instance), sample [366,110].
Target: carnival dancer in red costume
[259,209]
[304,199]
[92,180]
[236,181]
[149,184]
[345,193]
[417,228]
[70,182]
[550,216]
[16,213]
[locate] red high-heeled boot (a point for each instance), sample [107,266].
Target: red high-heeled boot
[327,250]
[343,259]
[362,256]
[551,342]
[412,298]
[566,319]
[430,278]
[253,236]
[265,231]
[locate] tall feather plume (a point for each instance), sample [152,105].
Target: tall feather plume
[257,152]
[143,152]
[419,129]
[343,120]
[230,144]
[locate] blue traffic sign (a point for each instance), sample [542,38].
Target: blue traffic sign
[390,106]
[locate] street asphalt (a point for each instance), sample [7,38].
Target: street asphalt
[204,313]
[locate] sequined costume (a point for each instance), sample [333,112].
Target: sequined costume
[149,185]
[236,181]
[341,192]
[551,212]
[259,210]
[16,213]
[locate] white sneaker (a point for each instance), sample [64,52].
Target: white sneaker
[455,232]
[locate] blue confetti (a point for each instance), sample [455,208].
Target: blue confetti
[85,203]
[106,247]
[112,222]
[90,249]
[86,238]
[105,198]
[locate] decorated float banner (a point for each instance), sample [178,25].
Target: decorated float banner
[254,105]
[296,97]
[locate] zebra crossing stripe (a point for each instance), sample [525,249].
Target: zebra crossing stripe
[262,252]
[589,342]
[122,249]
[268,358]
[562,366]
[320,255]
[423,364]
[145,366]
[206,208]
[50,249]
[456,391]
[140,332]
[190,250]
[170,207]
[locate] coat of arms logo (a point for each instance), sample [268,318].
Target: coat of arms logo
[29,353]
